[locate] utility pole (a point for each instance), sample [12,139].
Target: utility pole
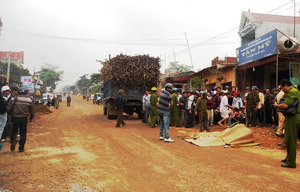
[8,68]
[174,54]
[165,61]
[294,18]
[189,50]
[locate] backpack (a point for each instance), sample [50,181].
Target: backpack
[3,105]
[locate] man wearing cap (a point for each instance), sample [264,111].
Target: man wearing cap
[291,123]
[252,100]
[154,105]
[174,113]
[5,93]
[119,105]
[22,108]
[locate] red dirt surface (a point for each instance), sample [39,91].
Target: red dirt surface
[78,149]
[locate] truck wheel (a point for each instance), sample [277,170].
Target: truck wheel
[105,110]
[140,115]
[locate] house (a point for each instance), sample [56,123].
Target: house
[221,73]
[15,57]
[269,50]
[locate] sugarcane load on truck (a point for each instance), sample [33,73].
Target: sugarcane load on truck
[133,74]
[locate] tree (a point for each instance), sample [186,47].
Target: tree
[83,83]
[49,75]
[15,73]
[197,82]
[180,67]
[95,79]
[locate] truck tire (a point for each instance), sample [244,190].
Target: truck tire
[105,110]
[140,115]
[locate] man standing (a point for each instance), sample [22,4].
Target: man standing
[154,104]
[268,107]
[291,123]
[201,110]
[182,104]
[119,105]
[6,93]
[280,127]
[174,109]
[165,100]
[21,108]
[260,109]
[251,107]
[3,114]
[146,106]
[69,101]
[190,111]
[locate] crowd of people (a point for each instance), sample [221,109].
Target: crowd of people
[214,106]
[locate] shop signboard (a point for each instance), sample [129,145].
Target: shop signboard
[27,83]
[259,48]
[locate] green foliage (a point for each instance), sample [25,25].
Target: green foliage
[83,83]
[197,82]
[15,73]
[49,75]
[180,67]
[95,79]
[96,89]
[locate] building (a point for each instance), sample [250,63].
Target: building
[221,73]
[269,50]
[15,57]
[181,81]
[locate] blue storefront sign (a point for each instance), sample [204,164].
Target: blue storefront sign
[259,48]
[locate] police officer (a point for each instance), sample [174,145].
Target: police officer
[291,123]
[154,104]
[174,112]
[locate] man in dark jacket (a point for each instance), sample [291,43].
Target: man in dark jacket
[21,108]
[119,105]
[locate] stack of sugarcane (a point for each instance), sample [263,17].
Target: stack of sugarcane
[138,72]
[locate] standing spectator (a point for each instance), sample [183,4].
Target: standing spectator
[291,123]
[224,110]
[6,93]
[146,106]
[154,105]
[190,111]
[268,107]
[260,107]
[217,115]
[275,92]
[119,105]
[210,101]
[248,90]
[182,104]
[69,101]
[174,113]
[165,100]
[237,102]
[252,100]
[3,114]
[20,108]
[280,128]
[201,111]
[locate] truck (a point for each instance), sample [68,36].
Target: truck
[132,97]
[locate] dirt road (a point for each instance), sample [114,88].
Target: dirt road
[78,149]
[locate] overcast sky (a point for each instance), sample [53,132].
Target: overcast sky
[73,34]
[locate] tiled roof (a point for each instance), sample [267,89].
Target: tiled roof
[258,17]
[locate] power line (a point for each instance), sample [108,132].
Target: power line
[229,32]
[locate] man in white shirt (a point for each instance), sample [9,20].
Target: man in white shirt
[224,110]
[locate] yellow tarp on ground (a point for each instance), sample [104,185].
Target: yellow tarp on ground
[237,135]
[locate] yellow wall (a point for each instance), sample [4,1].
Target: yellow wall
[228,74]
